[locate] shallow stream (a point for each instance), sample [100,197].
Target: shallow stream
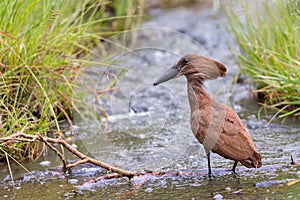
[149,126]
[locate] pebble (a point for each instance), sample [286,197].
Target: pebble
[45,163]
[73,181]
[27,178]
[68,133]
[148,190]
[218,196]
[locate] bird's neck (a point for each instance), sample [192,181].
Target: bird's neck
[198,97]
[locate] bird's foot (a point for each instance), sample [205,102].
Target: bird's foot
[231,170]
[210,176]
[234,167]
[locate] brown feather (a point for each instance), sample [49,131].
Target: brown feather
[203,68]
[215,125]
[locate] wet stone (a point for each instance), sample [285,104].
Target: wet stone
[148,190]
[218,197]
[45,163]
[73,181]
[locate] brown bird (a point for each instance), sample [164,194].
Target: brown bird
[215,125]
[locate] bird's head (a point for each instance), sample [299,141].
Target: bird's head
[194,67]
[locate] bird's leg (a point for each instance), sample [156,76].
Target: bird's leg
[234,166]
[208,162]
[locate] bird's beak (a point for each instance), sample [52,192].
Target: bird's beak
[168,75]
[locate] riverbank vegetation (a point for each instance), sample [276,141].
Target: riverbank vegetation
[42,46]
[268,35]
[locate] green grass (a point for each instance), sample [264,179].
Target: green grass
[42,47]
[269,39]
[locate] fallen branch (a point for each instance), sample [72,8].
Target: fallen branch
[21,136]
[60,155]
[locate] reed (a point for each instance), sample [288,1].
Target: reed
[42,46]
[268,36]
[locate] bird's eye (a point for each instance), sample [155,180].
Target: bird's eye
[185,61]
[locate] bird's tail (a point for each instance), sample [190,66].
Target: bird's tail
[254,161]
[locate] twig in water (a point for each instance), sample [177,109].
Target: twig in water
[21,136]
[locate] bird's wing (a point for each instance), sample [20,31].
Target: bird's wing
[234,141]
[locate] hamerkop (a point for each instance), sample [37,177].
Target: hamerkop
[215,125]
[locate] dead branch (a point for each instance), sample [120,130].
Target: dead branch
[60,155]
[292,182]
[21,136]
